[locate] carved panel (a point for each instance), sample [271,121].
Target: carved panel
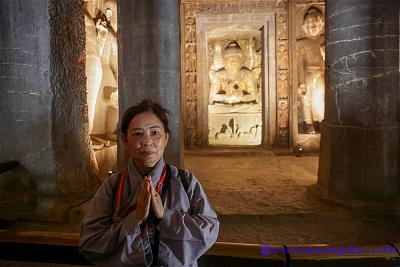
[235,129]
[190,57]
[282,24]
[190,138]
[191,87]
[191,115]
[283,89]
[189,78]
[283,57]
[190,30]
[194,99]
[250,6]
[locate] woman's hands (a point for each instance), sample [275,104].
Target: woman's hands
[146,195]
[143,200]
[156,204]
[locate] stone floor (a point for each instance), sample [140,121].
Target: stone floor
[267,199]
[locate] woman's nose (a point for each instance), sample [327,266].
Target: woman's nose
[146,141]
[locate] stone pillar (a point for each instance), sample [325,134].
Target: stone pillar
[149,61]
[25,112]
[360,135]
[43,119]
[76,168]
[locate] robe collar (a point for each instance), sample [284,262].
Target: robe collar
[155,173]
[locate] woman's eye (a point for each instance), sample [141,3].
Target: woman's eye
[155,133]
[137,134]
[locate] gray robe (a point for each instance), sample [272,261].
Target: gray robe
[188,229]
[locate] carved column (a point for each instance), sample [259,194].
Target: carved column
[359,143]
[282,137]
[189,77]
[149,64]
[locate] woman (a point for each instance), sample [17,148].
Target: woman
[152,214]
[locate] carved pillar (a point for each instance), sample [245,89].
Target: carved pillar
[189,78]
[282,137]
[359,143]
[149,64]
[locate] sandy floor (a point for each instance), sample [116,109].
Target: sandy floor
[263,198]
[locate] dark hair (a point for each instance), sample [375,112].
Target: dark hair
[146,105]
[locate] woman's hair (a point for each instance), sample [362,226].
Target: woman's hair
[146,105]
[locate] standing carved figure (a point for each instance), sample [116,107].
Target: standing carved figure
[101,57]
[311,68]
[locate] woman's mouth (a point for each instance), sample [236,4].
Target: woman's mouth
[147,152]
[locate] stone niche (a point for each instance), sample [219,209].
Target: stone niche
[102,80]
[229,74]
[308,74]
[234,85]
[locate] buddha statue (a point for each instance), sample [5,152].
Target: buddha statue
[233,83]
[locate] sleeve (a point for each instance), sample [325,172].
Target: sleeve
[190,234]
[108,243]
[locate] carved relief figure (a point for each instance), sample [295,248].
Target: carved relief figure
[191,115]
[191,58]
[102,67]
[191,87]
[233,130]
[94,70]
[311,69]
[190,29]
[233,83]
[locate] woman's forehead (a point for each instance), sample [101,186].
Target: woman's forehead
[145,120]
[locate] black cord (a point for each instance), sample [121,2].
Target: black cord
[287,256]
[392,245]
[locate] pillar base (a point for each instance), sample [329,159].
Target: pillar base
[359,162]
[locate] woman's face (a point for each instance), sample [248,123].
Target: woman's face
[146,140]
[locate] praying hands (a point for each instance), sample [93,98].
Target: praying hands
[146,196]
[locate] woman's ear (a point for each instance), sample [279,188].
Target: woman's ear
[167,135]
[123,138]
